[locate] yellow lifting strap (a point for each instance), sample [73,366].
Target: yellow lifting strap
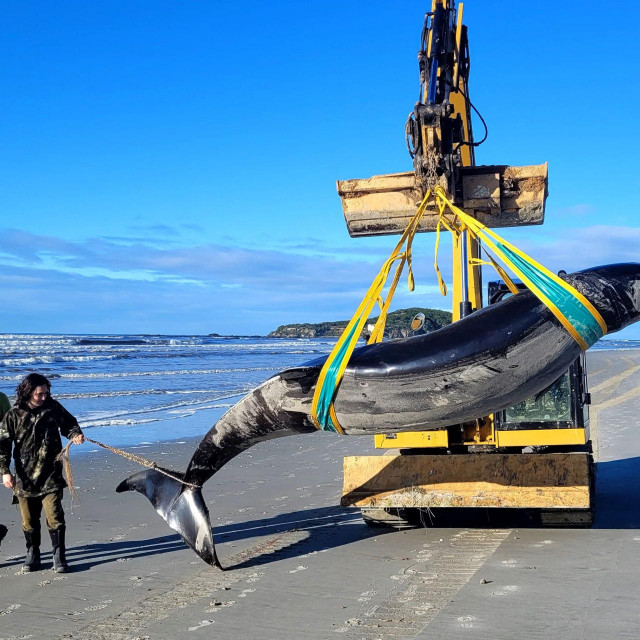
[579,317]
[576,314]
[322,410]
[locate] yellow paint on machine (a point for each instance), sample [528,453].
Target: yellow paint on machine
[410,439]
[531,481]
[540,437]
[516,438]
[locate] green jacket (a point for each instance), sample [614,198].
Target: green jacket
[5,405]
[34,435]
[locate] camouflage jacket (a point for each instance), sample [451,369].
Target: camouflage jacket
[5,405]
[35,437]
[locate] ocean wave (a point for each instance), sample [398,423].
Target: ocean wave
[616,344]
[132,392]
[224,405]
[129,374]
[111,341]
[60,358]
[27,351]
[57,359]
[116,422]
[35,336]
[165,407]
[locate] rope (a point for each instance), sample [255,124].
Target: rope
[64,457]
[68,473]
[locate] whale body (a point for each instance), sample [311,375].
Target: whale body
[490,360]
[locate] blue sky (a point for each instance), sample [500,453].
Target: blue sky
[170,167]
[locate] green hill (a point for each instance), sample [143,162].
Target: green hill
[398,325]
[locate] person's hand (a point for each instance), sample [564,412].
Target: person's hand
[79,439]
[8,481]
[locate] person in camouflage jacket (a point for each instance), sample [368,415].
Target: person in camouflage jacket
[32,427]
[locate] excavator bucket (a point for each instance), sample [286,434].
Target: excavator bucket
[497,195]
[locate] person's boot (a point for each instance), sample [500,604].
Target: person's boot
[3,532]
[57,542]
[32,559]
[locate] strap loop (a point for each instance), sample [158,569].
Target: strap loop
[576,314]
[322,411]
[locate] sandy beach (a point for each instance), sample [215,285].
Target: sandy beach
[299,566]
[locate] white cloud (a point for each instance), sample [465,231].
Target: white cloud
[50,284]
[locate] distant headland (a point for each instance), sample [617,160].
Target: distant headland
[398,325]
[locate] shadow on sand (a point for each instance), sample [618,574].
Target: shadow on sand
[324,527]
[617,494]
[84,557]
[617,506]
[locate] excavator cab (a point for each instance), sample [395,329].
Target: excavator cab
[562,405]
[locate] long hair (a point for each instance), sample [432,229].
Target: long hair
[26,387]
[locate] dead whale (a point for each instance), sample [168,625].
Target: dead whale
[492,359]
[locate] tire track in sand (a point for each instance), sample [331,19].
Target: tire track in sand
[128,623]
[427,587]
[609,386]
[606,390]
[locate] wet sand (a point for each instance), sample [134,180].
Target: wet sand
[299,566]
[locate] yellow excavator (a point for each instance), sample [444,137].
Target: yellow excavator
[534,457]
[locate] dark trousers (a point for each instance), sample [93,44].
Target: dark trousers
[31,508]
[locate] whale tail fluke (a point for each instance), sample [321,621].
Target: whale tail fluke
[183,508]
